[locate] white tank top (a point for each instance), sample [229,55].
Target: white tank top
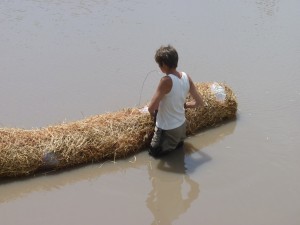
[171,113]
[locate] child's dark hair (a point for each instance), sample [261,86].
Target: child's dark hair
[167,55]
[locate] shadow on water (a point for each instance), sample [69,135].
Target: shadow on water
[168,199]
[166,174]
[173,189]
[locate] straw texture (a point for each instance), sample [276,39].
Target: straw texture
[101,137]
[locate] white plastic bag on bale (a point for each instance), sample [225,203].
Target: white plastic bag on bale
[50,159]
[144,110]
[218,91]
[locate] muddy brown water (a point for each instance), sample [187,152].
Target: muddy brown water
[65,60]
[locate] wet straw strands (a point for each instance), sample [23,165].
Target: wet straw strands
[101,137]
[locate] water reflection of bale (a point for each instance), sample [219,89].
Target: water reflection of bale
[11,188]
[101,137]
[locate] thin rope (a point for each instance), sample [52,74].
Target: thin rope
[144,84]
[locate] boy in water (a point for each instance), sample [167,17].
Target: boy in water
[168,103]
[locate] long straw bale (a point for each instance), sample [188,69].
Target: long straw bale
[101,137]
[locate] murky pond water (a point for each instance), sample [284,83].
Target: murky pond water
[65,60]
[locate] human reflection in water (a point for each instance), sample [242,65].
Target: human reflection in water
[168,198]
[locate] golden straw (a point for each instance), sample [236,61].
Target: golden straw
[101,137]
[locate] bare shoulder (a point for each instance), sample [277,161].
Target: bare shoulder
[192,85]
[166,79]
[165,84]
[189,77]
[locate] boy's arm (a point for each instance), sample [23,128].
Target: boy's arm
[164,87]
[197,99]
